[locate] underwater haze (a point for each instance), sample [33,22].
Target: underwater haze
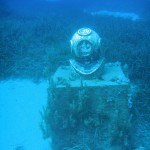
[35,40]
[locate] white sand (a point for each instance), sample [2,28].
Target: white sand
[124,15]
[20,104]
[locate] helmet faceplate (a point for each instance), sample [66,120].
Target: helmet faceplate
[85,45]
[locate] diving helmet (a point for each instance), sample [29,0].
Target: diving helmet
[85,49]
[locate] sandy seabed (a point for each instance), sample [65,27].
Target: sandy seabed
[20,104]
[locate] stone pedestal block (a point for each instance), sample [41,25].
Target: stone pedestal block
[89,114]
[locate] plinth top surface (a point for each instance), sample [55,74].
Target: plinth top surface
[113,75]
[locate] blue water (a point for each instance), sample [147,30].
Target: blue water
[138,6]
[34,42]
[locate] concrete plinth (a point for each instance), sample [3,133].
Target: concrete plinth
[89,114]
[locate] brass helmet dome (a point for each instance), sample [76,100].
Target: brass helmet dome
[85,49]
[85,42]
